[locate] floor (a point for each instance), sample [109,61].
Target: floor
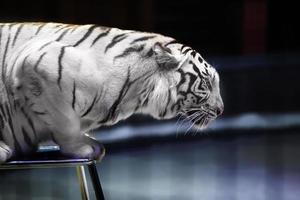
[234,167]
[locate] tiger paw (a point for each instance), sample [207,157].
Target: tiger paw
[5,152]
[99,152]
[98,148]
[95,152]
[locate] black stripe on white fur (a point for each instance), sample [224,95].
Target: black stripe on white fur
[129,50]
[101,35]
[30,122]
[91,106]
[17,34]
[86,35]
[60,66]
[40,28]
[74,95]
[144,38]
[115,40]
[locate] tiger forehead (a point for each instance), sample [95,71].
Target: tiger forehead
[201,69]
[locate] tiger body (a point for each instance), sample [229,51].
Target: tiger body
[59,81]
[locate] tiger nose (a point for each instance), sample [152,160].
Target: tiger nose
[220,110]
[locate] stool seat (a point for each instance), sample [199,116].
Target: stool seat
[51,157]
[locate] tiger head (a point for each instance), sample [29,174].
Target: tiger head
[185,84]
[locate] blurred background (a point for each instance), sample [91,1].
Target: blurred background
[251,152]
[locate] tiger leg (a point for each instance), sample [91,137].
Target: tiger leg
[55,112]
[82,146]
[98,148]
[63,123]
[45,88]
[5,152]
[66,133]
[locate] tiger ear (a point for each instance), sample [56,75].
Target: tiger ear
[164,57]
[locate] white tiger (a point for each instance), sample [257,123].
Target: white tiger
[58,81]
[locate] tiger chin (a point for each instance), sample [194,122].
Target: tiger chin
[60,81]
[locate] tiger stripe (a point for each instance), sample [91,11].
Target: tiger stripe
[86,35]
[17,34]
[1,122]
[200,59]
[187,50]
[11,127]
[150,53]
[196,69]
[193,54]
[0,35]
[115,40]
[2,127]
[60,37]
[3,113]
[144,38]
[101,35]
[26,137]
[38,62]
[30,122]
[90,107]
[61,28]
[60,66]
[4,66]
[130,50]
[171,42]
[114,106]
[74,95]
[45,45]
[123,91]
[39,113]
[183,46]
[16,59]
[38,30]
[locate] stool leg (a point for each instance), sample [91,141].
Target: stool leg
[96,182]
[82,182]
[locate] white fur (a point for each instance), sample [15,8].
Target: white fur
[101,79]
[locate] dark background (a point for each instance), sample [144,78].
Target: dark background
[214,27]
[253,43]
[255,46]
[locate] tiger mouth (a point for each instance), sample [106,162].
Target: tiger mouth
[201,117]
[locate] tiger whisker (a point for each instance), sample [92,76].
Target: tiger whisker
[187,119]
[192,124]
[198,114]
[201,116]
[181,115]
[207,111]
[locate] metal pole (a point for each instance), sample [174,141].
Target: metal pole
[82,182]
[96,182]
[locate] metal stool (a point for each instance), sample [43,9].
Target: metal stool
[50,157]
